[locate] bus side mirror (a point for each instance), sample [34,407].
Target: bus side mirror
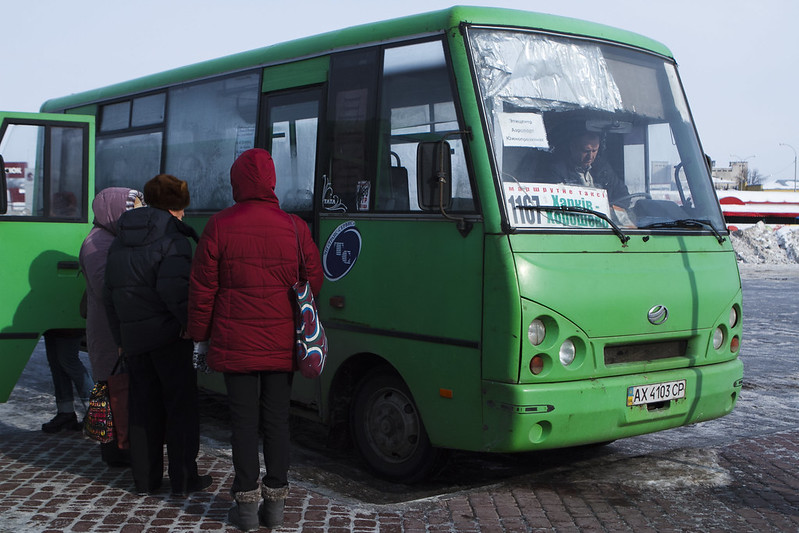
[3,188]
[433,175]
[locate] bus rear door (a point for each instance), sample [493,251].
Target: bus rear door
[46,188]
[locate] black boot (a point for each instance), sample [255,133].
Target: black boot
[62,421]
[271,512]
[195,484]
[244,514]
[113,456]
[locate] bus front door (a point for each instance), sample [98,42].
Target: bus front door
[48,177]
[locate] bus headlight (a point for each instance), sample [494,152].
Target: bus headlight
[567,352]
[536,332]
[718,338]
[733,317]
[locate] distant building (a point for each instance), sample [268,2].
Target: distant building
[732,177]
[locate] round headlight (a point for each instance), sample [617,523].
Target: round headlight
[718,338]
[536,332]
[566,353]
[733,317]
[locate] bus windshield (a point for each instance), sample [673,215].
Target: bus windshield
[591,129]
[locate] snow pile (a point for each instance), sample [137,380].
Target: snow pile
[763,244]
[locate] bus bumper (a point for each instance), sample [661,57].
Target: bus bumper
[520,417]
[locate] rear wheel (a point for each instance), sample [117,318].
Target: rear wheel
[388,430]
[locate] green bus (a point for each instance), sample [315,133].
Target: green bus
[475,299]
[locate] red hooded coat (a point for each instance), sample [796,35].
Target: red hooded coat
[245,264]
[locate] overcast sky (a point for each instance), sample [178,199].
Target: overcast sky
[737,59]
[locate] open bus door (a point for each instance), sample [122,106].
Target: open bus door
[47,187]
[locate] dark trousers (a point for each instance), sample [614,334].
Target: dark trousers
[259,400]
[163,408]
[67,368]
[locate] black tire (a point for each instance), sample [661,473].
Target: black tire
[388,430]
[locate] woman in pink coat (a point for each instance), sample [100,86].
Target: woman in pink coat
[108,206]
[240,303]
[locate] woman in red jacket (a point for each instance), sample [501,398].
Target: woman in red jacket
[240,302]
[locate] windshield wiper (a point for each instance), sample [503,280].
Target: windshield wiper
[687,223]
[582,210]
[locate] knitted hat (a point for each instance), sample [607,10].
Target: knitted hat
[166,192]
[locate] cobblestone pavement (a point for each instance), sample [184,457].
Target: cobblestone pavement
[739,473]
[56,482]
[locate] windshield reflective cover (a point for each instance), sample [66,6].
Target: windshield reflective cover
[589,135]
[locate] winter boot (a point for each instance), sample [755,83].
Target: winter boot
[271,512]
[244,515]
[62,421]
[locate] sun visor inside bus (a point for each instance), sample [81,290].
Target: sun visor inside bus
[610,126]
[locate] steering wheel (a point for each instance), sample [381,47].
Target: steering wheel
[615,201]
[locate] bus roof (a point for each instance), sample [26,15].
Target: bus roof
[420,24]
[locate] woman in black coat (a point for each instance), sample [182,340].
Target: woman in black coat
[147,287]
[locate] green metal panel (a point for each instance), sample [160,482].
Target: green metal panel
[297,74]
[527,417]
[37,293]
[414,298]
[609,294]
[84,110]
[502,318]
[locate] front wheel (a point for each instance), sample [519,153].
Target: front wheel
[388,430]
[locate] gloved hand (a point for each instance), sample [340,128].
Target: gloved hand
[198,358]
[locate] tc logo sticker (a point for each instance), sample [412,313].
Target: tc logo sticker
[341,251]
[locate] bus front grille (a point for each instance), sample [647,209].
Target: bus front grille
[633,353]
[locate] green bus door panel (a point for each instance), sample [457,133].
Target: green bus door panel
[44,296]
[40,280]
[410,294]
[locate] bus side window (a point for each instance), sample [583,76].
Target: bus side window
[67,173]
[293,119]
[208,124]
[351,121]
[130,140]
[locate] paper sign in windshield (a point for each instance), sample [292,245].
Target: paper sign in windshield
[519,197]
[523,129]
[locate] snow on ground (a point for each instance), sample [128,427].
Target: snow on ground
[766,245]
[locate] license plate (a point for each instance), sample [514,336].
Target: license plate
[656,392]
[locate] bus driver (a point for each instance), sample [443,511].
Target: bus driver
[579,166]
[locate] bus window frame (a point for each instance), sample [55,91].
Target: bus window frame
[70,121]
[264,133]
[3,187]
[381,164]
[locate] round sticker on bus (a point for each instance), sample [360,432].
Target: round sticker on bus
[341,251]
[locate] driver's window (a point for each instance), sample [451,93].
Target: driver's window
[417,105]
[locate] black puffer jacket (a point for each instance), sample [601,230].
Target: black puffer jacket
[147,279]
